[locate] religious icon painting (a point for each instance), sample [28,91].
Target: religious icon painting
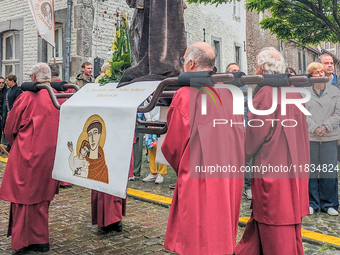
[95,136]
[88,161]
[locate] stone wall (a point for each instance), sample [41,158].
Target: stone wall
[92,30]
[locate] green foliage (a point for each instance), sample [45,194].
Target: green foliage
[308,21]
[120,53]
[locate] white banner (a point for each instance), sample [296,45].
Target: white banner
[95,136]
[43,13]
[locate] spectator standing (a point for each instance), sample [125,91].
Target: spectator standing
[290,70]
[31,129]
[155,175]
[234,68]
[55,72]
[55,78]
[324,131]
[327,61]
[3,91]
[12,93]
[86,75]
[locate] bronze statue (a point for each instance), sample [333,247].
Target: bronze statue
[157,39]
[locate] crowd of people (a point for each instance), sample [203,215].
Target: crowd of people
[204,213]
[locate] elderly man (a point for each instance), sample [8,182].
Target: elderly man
[31,129]
[205,208]
[280,199]
[327,61]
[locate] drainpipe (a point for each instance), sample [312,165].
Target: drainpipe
[68,41]
[280,45]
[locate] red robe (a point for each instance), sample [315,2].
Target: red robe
[204,211]
[280,199]
[31,129]
[107,209]
[283,200]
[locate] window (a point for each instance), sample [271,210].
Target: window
[238,55]
[300,66]
[10,53]
[187,35]
[57,53]
[304,61]
[234,8]
[217,48]
[236,14]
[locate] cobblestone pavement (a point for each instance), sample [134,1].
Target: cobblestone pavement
[144,225]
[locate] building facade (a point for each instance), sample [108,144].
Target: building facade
[297,57]
[92,29]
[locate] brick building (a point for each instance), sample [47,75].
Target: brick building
[92,29]
[296,57]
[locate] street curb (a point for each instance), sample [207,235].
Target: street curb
[319,239]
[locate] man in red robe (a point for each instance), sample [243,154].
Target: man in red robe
[280,199]
[31,129]
[107,210]
[205,207]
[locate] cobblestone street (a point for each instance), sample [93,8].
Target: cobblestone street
[144,225]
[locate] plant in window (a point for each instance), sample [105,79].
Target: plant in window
[120,53]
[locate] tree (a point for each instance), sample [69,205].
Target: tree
[308,21]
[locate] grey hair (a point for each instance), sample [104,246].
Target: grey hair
[54,69]
[201,59]
[42,72]
[270,64]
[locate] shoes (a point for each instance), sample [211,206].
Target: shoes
[65,186]
[248,194]
[311,210]
[40,247]
[172,186]
[331,211]
[150,178]
[117,226]
[134,178]
[159,179]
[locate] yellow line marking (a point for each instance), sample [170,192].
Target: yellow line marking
[149,196]
[305,233]
[3,159]
[320,237]
[244,219]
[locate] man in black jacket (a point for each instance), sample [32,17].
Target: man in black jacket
[12,93]
[3,91]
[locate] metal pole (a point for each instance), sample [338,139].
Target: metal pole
[68,41]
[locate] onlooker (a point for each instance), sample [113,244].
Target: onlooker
[234,68]
[204,211]
[86,75]
[31,129]
[154,175]
[327,61]
[12,93]
[280,199]
[324,131]
[3,91]
[55,72]
[138,152]
[55,78]
[290,70]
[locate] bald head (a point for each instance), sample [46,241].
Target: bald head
[270,61]
[199,56]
